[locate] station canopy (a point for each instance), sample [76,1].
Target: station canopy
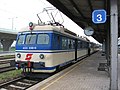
[80,11]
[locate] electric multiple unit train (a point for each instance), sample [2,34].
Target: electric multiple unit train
[45,48]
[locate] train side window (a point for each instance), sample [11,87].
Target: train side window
[90,45]
[64,43]
[21,39]
[43,39]
[69,44]
[79,46]
[58,39]
[84,45]
[30,39]
[72,44]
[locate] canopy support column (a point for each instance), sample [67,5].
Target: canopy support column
[114,44]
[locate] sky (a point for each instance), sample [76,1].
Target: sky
[16,14]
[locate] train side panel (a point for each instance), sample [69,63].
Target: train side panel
[82,52]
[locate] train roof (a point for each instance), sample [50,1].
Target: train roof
[42,27]
[59,29]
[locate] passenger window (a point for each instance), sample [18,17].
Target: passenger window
[21,39]
[43,39]
[30,39]
[73,44]
[58,38]
[64,43]
[69,43]
[79,45]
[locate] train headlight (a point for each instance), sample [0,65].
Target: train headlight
[19,55]
[31,26]
[42,56]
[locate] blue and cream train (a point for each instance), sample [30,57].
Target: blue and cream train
[45,48]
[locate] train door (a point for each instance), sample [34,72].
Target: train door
[56,41]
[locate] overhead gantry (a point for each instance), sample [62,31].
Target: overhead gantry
[6,38]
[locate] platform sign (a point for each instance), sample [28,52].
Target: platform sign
[99,16]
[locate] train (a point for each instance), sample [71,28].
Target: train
[47,47]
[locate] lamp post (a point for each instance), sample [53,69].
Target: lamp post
[12,21]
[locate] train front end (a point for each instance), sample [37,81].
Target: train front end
[33,51]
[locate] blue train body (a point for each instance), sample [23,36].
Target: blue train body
[48,47]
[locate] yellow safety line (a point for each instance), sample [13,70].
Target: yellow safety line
[60,77]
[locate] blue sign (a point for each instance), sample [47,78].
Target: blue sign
[99,16]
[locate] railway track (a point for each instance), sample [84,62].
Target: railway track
[2,57]
[23,83]
[29,80]
[5,69]
[7,65]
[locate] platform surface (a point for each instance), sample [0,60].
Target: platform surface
[84,76]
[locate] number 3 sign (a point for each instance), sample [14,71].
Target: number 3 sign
[99,16]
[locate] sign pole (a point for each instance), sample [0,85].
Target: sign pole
[114,45]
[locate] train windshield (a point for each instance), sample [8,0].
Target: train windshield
[21,39]
[30,39]
[33,39]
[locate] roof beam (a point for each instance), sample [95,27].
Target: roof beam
[75,6]
[107,23]
[78,19]
[81,19]
[63,9]
[91,8]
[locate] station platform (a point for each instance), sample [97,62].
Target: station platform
[84,76]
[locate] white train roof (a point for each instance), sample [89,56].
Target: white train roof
[60,29]
[42,27]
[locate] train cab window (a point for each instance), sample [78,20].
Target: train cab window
[21,39]
[30,39]
[43,39]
